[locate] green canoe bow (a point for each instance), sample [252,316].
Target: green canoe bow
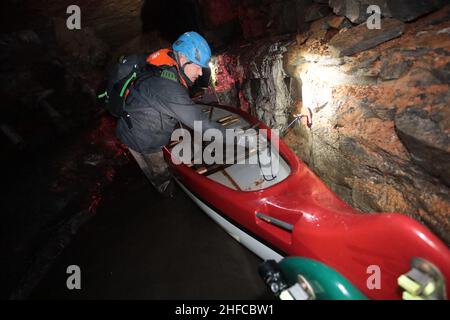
[326,283]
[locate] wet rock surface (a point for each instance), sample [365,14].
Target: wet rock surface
[360,38]
[410,10]
[380,131]
[256,80]
[114,22]
[404,10]
[355,10]
[423,132]
[316,11]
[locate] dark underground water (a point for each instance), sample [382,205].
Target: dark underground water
[141,247]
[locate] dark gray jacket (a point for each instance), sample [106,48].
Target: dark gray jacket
[155,106]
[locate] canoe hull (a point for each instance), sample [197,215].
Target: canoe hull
[325,228]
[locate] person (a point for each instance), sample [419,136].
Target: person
[155,104]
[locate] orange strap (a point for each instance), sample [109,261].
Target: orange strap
[162,58]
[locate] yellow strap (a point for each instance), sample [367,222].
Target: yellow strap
[409,285]
[408,296]
[429,289]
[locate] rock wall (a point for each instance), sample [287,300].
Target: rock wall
[379,98]
[114,22]
[58,151]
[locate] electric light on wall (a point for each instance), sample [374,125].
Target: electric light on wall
[319,75]
[213,71]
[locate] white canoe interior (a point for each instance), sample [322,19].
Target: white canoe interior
[258,171]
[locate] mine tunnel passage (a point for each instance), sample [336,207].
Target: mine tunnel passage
[379,138]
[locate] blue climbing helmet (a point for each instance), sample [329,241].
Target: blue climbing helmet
[194,47]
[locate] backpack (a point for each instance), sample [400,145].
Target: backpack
[130,69]
[119,79]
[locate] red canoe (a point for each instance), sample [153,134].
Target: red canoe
[296,214]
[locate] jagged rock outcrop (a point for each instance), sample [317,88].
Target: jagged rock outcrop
[114,22]
[423,132]
[404,10]
[256,80]
[356,10]
[360,38]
